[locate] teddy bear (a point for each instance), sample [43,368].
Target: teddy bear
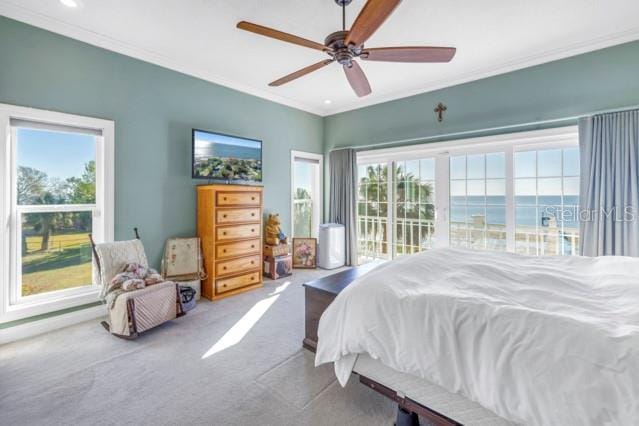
[274,234]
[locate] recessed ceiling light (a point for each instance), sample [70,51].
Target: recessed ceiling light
[327,101]
[70,3]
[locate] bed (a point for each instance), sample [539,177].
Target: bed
[534,340]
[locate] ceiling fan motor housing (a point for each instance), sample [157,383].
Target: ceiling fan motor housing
[338,50]
[343,2]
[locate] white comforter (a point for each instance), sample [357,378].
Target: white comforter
[539,341]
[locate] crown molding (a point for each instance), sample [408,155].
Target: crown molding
[94,38]
[503,68]
[89,36]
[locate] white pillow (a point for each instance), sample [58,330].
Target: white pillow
[113,257]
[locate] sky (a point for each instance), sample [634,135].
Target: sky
[303,175]
[229,140]
[59,155]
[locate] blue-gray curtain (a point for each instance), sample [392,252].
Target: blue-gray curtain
[343,197]
[609,192]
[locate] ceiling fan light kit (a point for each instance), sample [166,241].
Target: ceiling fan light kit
[345,46]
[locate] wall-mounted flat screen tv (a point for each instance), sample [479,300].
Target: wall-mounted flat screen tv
[226,158]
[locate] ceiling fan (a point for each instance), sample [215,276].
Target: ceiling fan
[345,46]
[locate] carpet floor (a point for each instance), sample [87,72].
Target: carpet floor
[237,361]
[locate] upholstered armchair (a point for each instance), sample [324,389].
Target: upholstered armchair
[132,312]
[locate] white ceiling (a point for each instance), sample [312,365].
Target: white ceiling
[198,37]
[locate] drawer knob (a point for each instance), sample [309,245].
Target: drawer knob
[253,230]
[224,285]
[252,278]
[252,198]
[224,233]
[253,214]
[252,245]
[224,251]
[252,262]
[224,198]
[224,267]
[224,216]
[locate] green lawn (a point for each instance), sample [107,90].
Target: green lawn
[66,264]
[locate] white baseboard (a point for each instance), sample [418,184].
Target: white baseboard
[46,325]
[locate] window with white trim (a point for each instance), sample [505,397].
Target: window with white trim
[478,201]
[515,192]
[306,193]
[58,179]
[547,201]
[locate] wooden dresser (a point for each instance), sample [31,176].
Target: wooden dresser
[229,224]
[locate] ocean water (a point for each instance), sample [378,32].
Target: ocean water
[529,210]
[206,149]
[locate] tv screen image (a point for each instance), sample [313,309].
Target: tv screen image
[222,157]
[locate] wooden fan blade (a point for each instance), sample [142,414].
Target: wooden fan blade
[369,20]
[409,54]
[300,73]
[279,35]
[357,79]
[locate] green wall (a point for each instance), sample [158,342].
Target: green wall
[154,110]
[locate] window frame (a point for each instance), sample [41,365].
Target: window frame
[13,307]
[560,137]
[316,214]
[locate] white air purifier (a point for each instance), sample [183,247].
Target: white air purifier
[332,249]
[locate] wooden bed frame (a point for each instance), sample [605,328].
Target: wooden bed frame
[318,295]
[408,405]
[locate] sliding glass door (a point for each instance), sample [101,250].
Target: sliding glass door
[414,205]
[373,213]
[396,208]
[514,192]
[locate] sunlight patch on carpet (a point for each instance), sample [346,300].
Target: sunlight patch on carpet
[246,323]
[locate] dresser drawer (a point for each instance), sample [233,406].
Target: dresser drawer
[240,248]
[224,216]
[225,233]
[228,284]
[233,266]
[238,199]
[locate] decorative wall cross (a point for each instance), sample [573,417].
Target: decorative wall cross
[440,111]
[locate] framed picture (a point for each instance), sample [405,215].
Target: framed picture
[305,253]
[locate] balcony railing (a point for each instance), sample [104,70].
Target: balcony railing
[418,234]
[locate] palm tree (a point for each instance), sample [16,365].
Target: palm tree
[411,200]
[408,188]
